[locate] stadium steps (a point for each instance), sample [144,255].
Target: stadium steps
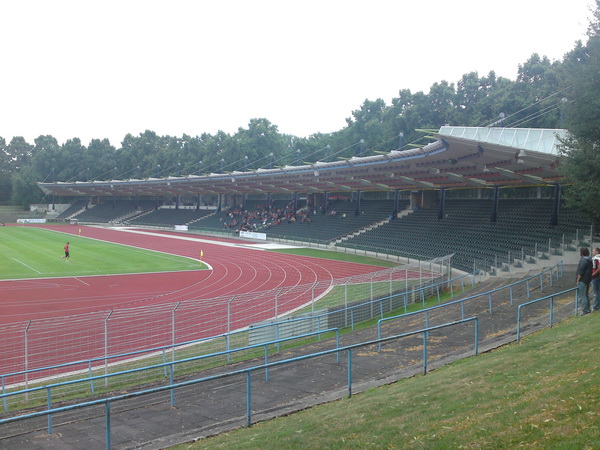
[361,231]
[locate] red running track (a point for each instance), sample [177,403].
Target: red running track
[68,315]
[235,270]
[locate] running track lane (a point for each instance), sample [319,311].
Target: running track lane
[236,270]
[56,338]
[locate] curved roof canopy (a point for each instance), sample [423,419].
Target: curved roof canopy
[460,157]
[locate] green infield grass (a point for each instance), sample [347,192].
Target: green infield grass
[29,252]
[347,257]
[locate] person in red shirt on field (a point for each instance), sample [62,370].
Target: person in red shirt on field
[67,254]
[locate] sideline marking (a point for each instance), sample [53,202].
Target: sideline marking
[29,267]
[81,281]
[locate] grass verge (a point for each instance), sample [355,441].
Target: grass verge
[337,256]
[541,393]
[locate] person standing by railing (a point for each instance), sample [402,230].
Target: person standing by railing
[596,278]
[584,277]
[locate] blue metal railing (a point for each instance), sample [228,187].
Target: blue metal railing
[461,302]
[164,365]
[318,318]
[557,269]
[247,371]
[551,299]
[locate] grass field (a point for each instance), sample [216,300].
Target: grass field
[541,393]
[347,257]
[29,252]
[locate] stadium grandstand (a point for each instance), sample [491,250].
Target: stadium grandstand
[491,196]
[475,199]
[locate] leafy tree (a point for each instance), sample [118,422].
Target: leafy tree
[24,188]
[253,146]
[582,148]
[537,86]
[5,173]
[19,152]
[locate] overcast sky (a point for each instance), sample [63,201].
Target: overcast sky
[102,69]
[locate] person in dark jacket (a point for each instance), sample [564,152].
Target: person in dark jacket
[584,277]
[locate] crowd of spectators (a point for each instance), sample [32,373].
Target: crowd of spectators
[262,218]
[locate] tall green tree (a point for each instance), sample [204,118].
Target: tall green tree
[24,187]
[5,173]
[582,118]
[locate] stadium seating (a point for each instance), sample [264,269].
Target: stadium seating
[522,228]
[169,217]
[117,211]
[73,209]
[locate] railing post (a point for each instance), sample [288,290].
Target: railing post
[49,406]
[171,370]
[3,392]
[248,400]
[349,372]
[27,359]
[227,348]
[346,304]
[266,363]
[476,336]
[106,347]
[107,420]
[90,375]
[229,313]
[519,323]
[425,353]
[173,331]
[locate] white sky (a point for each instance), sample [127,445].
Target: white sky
[102,69]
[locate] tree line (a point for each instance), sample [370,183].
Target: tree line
[545,94]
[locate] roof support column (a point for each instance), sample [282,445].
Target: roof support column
[396,199]
[441,203]
[494,216]
[358,196]
[555,205]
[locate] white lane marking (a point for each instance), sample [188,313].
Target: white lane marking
[29,267]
